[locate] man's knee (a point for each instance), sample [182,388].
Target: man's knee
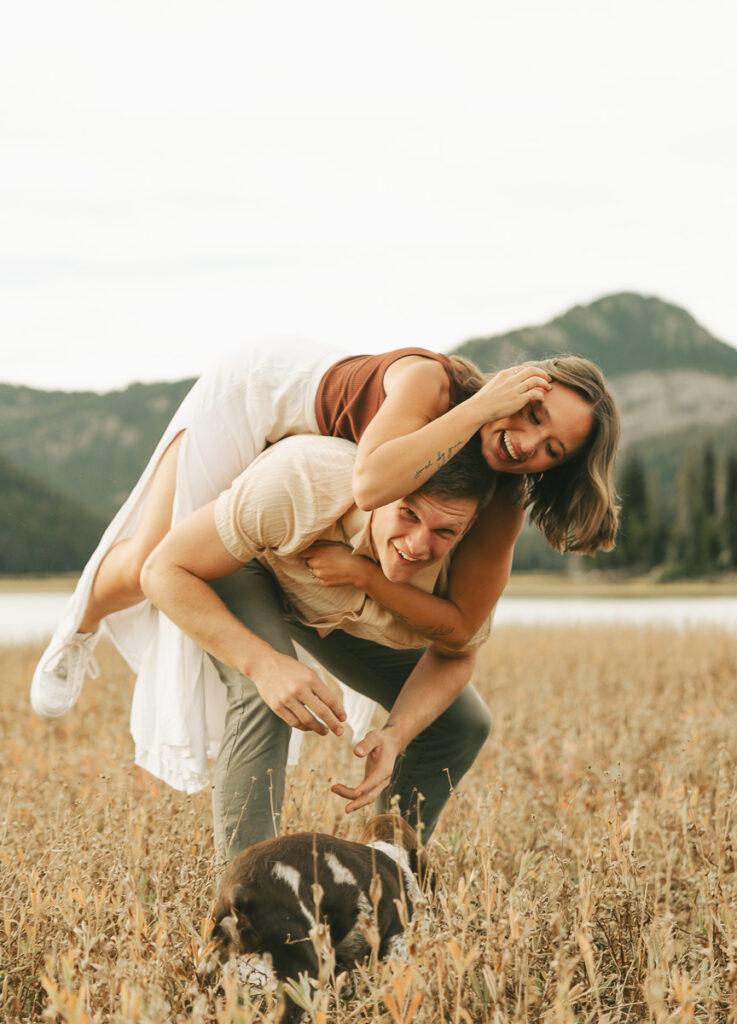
[465,730]
[478,727]
[468,717]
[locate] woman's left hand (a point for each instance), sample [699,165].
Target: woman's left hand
[333,565]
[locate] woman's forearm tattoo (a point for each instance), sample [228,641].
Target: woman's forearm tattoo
[440,458]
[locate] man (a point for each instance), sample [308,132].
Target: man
[222,576]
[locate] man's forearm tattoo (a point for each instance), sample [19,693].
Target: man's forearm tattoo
[436,631]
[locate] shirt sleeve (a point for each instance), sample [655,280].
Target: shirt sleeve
[287,497]
[481,635]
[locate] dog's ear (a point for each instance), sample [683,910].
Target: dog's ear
[220,940]
[233,928]
[235,932]
[226,930]
[421,866]
[222,933]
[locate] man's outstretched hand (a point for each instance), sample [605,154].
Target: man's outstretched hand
[381,749]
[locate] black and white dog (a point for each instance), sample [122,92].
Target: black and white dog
[274,895]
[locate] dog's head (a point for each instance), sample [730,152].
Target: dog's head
[392,828]
[232,933]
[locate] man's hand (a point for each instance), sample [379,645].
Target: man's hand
[381,748]
[297,694]
[432,686]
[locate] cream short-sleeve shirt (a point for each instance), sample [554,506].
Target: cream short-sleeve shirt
[297,492]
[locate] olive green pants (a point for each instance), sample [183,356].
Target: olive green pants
[250,769]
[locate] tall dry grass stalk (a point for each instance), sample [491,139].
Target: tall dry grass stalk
[587,864]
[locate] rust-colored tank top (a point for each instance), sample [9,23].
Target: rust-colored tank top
[352,390]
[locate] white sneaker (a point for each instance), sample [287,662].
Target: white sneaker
[57,681]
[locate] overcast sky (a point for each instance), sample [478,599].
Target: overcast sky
[179,178]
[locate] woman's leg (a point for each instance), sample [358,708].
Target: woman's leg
[117,583]
[229,415]
[59,676]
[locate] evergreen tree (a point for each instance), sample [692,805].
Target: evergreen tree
[729,511]
[694,545]
[710,542]
[659,519]
[709,479]
[632,541]
[681,549]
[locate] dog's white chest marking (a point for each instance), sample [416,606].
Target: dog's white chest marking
[400,857]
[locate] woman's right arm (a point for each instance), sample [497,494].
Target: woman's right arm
[414,433]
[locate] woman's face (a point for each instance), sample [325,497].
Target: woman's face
[541,435]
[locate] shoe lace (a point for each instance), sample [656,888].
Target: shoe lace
[77,660]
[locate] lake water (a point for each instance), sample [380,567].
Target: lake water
[31,617]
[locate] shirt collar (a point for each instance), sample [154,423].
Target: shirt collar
[356,526]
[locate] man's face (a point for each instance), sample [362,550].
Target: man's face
[412,532]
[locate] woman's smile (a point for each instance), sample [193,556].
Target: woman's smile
[506,448]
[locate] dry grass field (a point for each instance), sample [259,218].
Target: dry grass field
[587,865]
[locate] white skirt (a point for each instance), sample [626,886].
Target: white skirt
[247,400]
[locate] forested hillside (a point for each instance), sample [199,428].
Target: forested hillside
[690,532]
[88,446]
[42,531]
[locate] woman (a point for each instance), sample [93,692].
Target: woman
[551,429]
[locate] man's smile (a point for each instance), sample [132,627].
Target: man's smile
[403,555]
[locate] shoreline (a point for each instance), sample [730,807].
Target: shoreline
[521,584]
[63,583]
[600,585]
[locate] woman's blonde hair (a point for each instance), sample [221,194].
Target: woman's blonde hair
[466,376]
[575,504]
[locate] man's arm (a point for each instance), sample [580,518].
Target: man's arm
[432,686]
[175,577]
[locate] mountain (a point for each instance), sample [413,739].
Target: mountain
[41,530]
[624,334]
[665,371]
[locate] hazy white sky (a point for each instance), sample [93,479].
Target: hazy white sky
[178,178]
